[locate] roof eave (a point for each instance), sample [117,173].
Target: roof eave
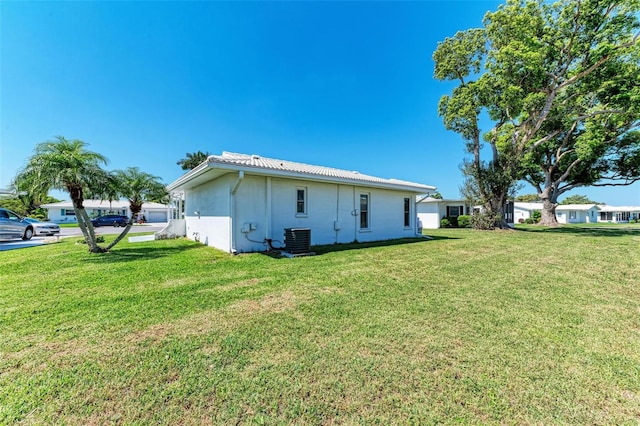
[182,182]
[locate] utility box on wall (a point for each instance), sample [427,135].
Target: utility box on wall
[297,240]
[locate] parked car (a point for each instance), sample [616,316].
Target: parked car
[110,220]
[43,228]
[12,225]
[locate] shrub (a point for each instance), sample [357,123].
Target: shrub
[444,223]
[536,215]
[530,221]
[99,239]
[464,221]
[483,221]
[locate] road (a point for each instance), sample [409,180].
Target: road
[76,232]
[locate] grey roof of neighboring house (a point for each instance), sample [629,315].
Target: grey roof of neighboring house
[527,206]
[606,208]
[439,200]
[231,161]
[538,206]
[581,207]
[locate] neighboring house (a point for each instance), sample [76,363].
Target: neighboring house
[63,212]
[523,211]
[620,214]
[240,203]
[577,213]
[567,213]
[432,210]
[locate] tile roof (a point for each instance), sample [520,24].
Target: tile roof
[272,166]
[290,166]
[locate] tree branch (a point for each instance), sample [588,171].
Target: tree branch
[627,181]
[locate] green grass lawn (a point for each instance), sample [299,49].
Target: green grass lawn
[527,326]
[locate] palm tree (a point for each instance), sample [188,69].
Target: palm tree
[68,166]
[137,187]
[193,160]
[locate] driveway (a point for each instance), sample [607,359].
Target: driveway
[76,232]
[16,244]
[110,230]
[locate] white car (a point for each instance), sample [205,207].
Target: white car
[43,228]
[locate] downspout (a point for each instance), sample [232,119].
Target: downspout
[337,211]
[354,213]
[267,222]
[232,212]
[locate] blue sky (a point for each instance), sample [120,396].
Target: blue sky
[341,84]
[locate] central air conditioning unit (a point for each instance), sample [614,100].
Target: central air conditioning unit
[297,241]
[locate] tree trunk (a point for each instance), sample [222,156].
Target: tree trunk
[124,232]
[135,209]
[549,197]
[549,213]
[84,222]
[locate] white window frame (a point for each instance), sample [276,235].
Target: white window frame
[406,213]
[367,211]
[305,201]
[573,214]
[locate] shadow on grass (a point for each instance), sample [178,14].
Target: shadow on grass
[332,248]
[587,231]
[136,253]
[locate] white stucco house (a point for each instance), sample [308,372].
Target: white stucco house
[242,203]
[523,211]
[565,213]
[432,210]
[619,214]
[62,212]
[577,213]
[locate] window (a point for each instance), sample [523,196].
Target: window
[407,212]
[67,212]
[364,211]
[572,214]
[455,211]
[622,217]
[301,201]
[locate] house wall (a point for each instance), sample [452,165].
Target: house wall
[56,215]
[207,213]
[328,206]
[581,216]
[431,213]
[520,213]
[264,206]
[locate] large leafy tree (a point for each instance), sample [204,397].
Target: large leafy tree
[527,198]
[137,187]
[68,166]
[192,160]
[558,82]
[578,199]
[25,205]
